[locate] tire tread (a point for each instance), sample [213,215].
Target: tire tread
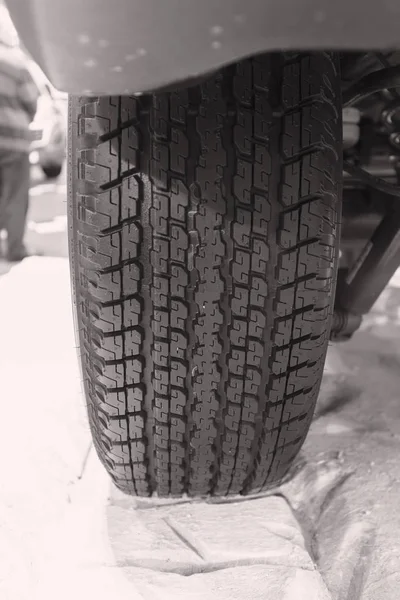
[204,241]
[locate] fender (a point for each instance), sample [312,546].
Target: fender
[132,46]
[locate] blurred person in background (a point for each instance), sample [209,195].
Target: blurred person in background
[18,102]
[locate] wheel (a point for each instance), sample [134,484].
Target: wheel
[204,243]
[52,171]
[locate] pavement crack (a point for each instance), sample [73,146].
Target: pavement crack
[189,569]
[85,461]
[352,561]
[332,492]
[184,536]
[306,527]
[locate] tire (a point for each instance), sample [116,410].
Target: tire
[52,171]
[204,242]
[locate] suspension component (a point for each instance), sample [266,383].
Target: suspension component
[377,183]
[362,283]
[351,127]
[370,84]
[373,269]
[344,324]
[383,79]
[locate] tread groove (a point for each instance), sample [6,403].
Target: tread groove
[227,281]
[193,243]
[124,350]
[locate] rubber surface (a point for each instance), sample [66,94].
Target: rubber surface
[204,239]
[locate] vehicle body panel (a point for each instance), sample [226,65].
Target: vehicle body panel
[128,46]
